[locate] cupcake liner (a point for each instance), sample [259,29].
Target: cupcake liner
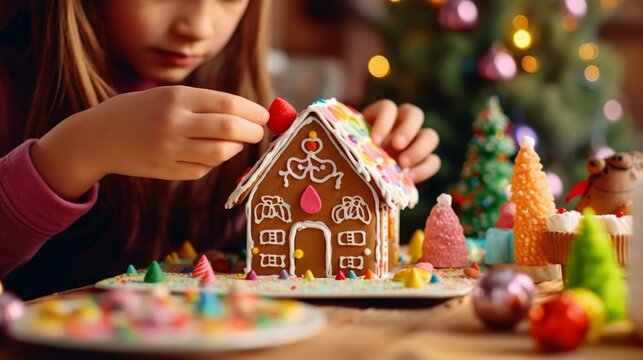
[621,248]
[557,246]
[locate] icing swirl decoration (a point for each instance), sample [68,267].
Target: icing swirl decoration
[352,208]
[272,207]
[319,170]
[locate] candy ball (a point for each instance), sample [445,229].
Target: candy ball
[501,298]
[11,308]
[559,324]
[595,310]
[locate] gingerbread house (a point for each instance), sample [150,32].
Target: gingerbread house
[324,198]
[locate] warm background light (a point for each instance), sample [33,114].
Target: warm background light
[378,66]
[592,73]
[588,51]
[569,23]
[520,22]
[522,39]
[530,64]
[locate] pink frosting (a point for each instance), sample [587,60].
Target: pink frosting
[444,244]
[507,213]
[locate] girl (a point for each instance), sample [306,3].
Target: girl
[126,98]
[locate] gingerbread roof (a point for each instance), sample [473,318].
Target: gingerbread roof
[352,133]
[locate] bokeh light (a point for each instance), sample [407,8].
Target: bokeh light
[522,39]
[523,130]
[436,2]
[520,22]
[577,8]
[592,73]
[555,184]
[505,65]
[569,23]
[530,64]
[378,66]
[588,51]
[467,11]
[613,110]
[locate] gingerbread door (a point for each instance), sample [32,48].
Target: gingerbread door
[310,249]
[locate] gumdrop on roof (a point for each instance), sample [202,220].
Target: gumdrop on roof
[352,134]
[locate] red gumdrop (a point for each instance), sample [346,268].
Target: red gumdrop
[282,115]
[619,214]
[561,210]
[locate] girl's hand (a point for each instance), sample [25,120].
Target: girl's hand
[399,129]
[172,133]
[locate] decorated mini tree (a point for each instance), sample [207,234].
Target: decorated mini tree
[444,243]
[592,265]
[486,172]
[534,202]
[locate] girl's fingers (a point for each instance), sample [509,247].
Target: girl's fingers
[381,114]
[207,152]
[409,121]
[222,127]
[423,145]
[183,170]
[200,100]
[426,168]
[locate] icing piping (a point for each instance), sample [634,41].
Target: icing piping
[347,262]
[272,207]
[305,225]
[349,238]
[352,208]
[311,165]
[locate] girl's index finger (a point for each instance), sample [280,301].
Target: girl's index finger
[212,101]
[381,115]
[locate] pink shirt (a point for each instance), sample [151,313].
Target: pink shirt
[48,244]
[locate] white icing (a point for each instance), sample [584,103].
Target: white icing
[570,220]
[272,207]
[367,251]
[272,237]
[445,199]
[352,208]
[351,262]
[352,238]
[565,222]
[381,251]
[310,166]
[614,225]
[273,260]
[305,225]
[527,142]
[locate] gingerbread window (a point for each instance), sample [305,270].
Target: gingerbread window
[354,262]
[272,237]
[352,238]
[272,260]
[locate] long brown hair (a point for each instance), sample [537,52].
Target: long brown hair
[63,42]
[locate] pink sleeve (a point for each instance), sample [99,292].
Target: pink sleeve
[30,212]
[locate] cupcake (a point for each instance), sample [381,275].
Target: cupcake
[562,228]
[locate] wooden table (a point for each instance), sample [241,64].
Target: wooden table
[390,329]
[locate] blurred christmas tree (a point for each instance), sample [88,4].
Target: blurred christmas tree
[486,171]
[555,78]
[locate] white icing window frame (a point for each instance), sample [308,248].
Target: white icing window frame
[273,260]
[349,238]
[275,237]
[348,262]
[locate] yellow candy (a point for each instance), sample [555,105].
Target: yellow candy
[403,275]
[312,134]
[309,275]
[298,254]
[255,250]
[415,245]
[414,279]
[186,251]
[534,202]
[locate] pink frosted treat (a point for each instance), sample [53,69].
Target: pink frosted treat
[444,243]
[506,218]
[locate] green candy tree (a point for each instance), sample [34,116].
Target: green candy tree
[592,265]
[486,171]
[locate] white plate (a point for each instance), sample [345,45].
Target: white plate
[309,322]
[323,288]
